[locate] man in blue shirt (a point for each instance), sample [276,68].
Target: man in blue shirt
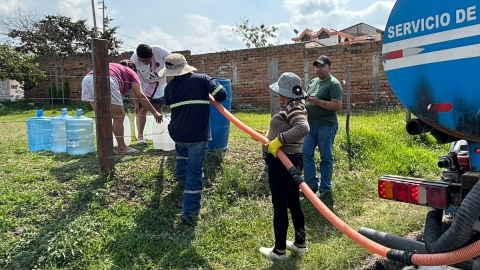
[187,95]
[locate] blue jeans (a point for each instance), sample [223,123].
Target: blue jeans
[189,170]
[323,137]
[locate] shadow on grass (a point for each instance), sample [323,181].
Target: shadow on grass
[290,264]
[318,227]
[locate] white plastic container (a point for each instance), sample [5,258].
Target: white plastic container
[148,129]
[161,137]
[127,132]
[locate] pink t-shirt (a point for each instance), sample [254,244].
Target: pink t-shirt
[124,75]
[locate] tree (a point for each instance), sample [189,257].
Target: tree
[22,68]
[53,34]
[255,36]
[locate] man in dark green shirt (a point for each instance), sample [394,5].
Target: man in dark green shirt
[324,100]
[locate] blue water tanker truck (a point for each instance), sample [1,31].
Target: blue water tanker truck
[431,57]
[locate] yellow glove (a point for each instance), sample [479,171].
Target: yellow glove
[263,132]
[273,146]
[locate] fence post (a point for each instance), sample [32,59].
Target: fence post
[103,114]
[306,72]
[376,79]
[272,65]
[235,96]
[347,128]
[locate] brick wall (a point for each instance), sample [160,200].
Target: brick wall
[249,72]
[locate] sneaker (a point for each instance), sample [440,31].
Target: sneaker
[300,251]
[268,252]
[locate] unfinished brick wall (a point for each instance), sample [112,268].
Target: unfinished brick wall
[248,71]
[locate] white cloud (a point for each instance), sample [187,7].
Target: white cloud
[7,6]
[156,36]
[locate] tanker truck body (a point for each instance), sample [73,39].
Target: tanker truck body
[431,57]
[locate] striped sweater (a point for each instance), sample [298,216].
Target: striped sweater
[290,125]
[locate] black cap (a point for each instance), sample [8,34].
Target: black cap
[322,60]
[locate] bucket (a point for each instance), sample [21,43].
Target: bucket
[127,132]
[38,131]
[80,138]
[147,130]
[161,137]
[219,125]
[59,132]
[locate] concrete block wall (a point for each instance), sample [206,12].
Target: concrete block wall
[248,71]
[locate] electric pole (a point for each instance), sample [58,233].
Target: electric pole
[104,19]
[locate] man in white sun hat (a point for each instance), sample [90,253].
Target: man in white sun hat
[187,94]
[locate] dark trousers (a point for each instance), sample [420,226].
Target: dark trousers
[285,194]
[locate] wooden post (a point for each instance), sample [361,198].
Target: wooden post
[235,95]
[272,66]
[306,72]
[376,79]
[103,114]
[347,129]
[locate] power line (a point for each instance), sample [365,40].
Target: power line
[131,38]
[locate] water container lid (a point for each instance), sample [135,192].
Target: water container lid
[64,111]
[79,112]
[39,113]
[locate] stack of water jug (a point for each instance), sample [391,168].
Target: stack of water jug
[62,133]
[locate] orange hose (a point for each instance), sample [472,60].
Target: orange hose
[449,258]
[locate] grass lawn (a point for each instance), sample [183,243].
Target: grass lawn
[57,213]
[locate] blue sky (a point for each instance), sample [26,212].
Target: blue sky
[204,26]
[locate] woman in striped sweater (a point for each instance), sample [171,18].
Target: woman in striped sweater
[286,132]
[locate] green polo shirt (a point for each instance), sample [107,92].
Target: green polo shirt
[324,90]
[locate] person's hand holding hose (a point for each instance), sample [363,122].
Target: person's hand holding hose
[273,146]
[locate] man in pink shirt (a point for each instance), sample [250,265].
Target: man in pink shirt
[122,78]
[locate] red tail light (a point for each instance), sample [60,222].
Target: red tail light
[414,191]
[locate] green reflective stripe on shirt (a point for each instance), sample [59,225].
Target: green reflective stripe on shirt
[216,90]
[189,102]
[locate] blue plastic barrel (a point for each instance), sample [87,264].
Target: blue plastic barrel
[220,126]
[59,132]
[38,131]
[80,138]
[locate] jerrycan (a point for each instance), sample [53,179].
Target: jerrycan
[161,137]
[80,138]
[148,129]
[127,132]
[38,131]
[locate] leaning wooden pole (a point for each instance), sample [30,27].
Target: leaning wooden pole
[103,114]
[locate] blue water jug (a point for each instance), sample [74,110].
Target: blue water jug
[59,132]
[80,138]
[38,131]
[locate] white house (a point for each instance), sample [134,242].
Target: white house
[11,90]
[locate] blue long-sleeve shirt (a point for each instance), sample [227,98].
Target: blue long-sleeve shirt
[188,98]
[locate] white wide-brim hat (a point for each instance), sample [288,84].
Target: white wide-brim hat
[175,65]
[289,85]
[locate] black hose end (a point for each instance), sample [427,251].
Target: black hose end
[295,173]
[400,256]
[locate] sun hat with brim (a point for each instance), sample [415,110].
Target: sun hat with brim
[289,85]
[175,65]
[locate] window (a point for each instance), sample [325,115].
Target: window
[339,39]
[323,35]
[305,38]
